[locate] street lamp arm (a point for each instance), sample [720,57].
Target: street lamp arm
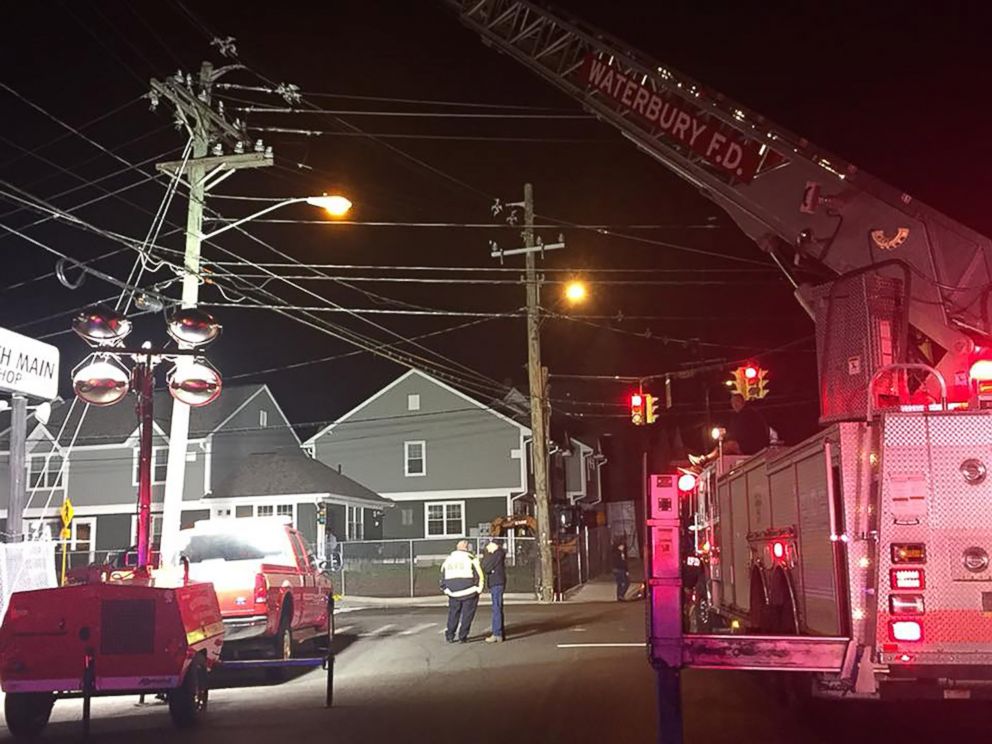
[249,218]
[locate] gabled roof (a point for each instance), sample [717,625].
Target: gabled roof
[491,408]
[115,424]
[293,474]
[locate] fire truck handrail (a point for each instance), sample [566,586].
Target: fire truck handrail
[905,365]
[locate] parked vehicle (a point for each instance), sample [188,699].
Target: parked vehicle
[272,590]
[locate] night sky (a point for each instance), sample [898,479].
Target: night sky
[900,93]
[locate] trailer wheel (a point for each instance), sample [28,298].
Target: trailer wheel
[27,713]
[188,702]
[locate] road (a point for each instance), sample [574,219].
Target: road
[396,680]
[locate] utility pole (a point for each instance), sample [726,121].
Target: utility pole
[538,402]
[537,381]
[208,127]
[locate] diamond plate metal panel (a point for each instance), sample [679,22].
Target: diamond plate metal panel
[921,463]
[857,331]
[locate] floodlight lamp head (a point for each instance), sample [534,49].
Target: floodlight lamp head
[193,326]
[99,325]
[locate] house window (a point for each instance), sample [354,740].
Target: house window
[356,523]
[413,402]
[415,458]
[263,418]
[46,472]
[406,517]
[445,518]
[160,465]
[82,536]
[276,510]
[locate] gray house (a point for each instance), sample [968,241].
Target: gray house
[91,455]
[449,462]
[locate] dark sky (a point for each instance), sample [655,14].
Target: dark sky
[899,92]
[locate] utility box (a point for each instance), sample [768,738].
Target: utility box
[664,569]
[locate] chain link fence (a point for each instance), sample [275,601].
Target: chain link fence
[412,568]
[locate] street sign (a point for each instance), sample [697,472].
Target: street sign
[28,367]
[66,512]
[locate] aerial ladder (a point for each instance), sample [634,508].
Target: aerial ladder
[863,551]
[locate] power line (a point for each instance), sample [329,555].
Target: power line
[384,99]
[399,114]
[442,137]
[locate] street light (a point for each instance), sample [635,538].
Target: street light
[575,291]
[335,205]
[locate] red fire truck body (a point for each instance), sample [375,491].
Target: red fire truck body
[878,534]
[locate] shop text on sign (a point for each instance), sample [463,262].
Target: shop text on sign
[28,367]
[674,118]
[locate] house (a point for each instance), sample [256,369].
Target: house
[450,462]
[91,455]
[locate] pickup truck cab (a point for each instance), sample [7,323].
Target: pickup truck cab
[270,587]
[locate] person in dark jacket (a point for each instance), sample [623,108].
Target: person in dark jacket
[620,572]
[494,568]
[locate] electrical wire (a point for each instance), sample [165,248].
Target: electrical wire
[399,114]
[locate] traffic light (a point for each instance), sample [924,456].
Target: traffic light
[637,409]
[650,409]
[750,382]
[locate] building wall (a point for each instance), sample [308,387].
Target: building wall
[105,476]
[243,436]
[477,511]
[466,446]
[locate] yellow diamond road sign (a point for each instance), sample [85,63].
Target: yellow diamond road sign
[66,511]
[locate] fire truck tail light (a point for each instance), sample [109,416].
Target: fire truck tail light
[909,553]
[261,589]
[778,550]
[907,578]
[906,604]
[906,630]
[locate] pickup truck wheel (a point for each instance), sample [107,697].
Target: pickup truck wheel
[27,713]
[188,702]
[283,642]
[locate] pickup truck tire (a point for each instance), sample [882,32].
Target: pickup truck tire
[27,713]
[188,702]
[282,646]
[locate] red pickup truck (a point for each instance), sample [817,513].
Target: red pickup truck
[270,587]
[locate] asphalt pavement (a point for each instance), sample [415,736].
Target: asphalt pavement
[573,672]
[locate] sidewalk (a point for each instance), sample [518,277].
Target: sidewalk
[603,588]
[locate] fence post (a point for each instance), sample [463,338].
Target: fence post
[343,569]
[412,561]
[578,554]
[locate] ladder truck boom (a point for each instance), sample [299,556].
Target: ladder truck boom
[782,191]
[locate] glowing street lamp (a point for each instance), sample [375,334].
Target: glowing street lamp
[334,204]
[576,291]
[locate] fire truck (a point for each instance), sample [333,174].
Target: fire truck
[862,555]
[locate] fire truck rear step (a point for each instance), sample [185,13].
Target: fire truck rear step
[781,653]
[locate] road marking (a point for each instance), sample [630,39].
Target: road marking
[602,645]
[416,629]
[343,629]
[376,632]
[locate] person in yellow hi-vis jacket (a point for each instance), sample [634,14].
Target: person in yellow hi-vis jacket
[461,580]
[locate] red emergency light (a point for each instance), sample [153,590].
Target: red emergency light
[908,631]
[778,550]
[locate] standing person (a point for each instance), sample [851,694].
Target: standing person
[494,567]
[747,433]
[620,572]
[461,580]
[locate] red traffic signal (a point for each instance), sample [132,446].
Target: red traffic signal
[637,409]
[750,372]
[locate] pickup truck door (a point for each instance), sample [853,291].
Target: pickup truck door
[308,614]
